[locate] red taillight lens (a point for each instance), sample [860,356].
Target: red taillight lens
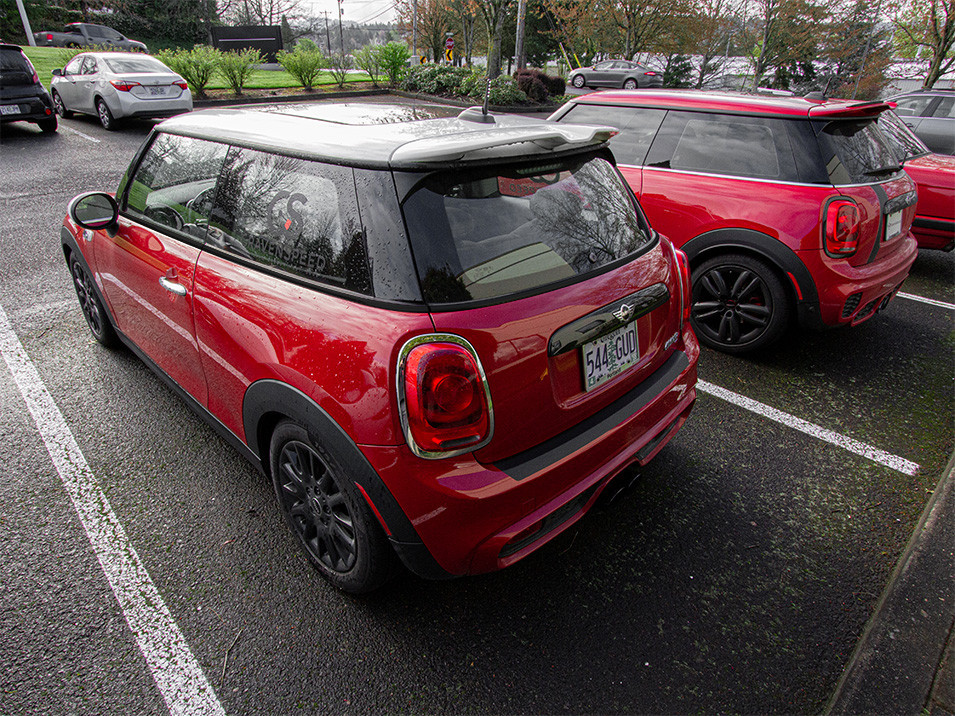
[686,283]
[181,85]
[124,86]
[49,37]
[446,407]
[842,228]
[650,74]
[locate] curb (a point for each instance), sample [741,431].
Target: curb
[895,662]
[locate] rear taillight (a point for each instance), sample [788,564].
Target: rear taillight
[686,284]
[49,37]
[650,74]
[181,85]
[124,86]
[842,228]
[443,397]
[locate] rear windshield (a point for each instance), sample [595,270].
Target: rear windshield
[15,69]
[856,152]
[905,143]
[134,64]
[483,235]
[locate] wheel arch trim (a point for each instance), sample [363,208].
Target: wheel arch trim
[269,401]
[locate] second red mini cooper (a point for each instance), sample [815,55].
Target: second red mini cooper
[441,338]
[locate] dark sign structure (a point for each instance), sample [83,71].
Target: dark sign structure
[265,38]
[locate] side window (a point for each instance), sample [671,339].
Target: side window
[73,66]
[294,215]
[89,66]
[174,183]
[912,106]
[637,127]
[945,108]
[756,147]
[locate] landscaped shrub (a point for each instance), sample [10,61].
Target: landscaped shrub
[196,66]
[538,85]
[393,59]
[436,79]
[237,67]
[504,90]
[305,63]
[338,66]
[368,59]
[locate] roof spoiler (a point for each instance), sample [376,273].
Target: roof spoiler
[848,111]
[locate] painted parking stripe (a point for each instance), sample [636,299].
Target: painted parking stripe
[929,301]
[177,673]
[859,448]
[94,140]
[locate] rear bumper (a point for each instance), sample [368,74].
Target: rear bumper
[473,518]
[128,106]
[849,295]
[31,109]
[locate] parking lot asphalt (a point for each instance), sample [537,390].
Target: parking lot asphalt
[749,569]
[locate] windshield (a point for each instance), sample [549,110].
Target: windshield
[489,234]
[856,152]
[135,64]
[903,141]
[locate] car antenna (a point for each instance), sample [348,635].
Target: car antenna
[480,114]
[824,94]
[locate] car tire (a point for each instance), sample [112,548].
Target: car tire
[739,304]
[331,521]
[579,82]
[60,108]
[93,311]
[630,83]
[47,126]
[105,116]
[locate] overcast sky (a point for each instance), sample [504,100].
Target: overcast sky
[355,10]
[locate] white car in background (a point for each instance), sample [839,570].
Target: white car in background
[115,85]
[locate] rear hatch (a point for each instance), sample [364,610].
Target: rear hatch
[863,166]
[550,271]
[17,76]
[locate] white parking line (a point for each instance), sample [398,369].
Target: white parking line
[177,673]
[929,301]
[843,441]
[94,140]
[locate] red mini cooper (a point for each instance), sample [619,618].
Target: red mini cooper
[787,208]
[440,338]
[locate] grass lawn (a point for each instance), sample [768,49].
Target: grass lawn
[46,59]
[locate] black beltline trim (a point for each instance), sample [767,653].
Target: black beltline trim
[534,460]
[936,224]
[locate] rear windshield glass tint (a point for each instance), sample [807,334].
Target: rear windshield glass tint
[15,69]
[487,235]
[135,64]
[856,152]
[906,144]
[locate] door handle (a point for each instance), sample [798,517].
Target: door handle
[172,286]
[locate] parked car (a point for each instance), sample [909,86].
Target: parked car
[930,114]
[116,85]
[617,74]
[22,97]
[441,338]
[84,34]
[934,175]
[786,207]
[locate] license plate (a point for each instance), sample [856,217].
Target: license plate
[610,355]
[155,91]
[9,109]
[893,225]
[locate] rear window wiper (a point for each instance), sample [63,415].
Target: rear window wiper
[888,169]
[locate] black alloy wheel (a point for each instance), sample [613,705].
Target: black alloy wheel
[739,304]
[331,520]
[93,311]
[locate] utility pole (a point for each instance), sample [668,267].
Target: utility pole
[414,32]
[328,35]
[519,40]
[341,32]
[26,23]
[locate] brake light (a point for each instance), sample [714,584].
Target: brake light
[49,37]
[650,74]
[686,284]
[445,402]
[124,86]
[842,228]
[181,85]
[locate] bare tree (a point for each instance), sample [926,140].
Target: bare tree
[928,24]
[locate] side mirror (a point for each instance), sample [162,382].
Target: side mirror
[57,72]
[95,210]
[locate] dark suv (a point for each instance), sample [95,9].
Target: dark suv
[441,338]
[785,207]
[22,97]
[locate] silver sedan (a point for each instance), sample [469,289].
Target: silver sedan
[114,85]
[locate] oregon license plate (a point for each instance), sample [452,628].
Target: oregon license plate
[9,109]
[610,355]
[893,225]
[157,91]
